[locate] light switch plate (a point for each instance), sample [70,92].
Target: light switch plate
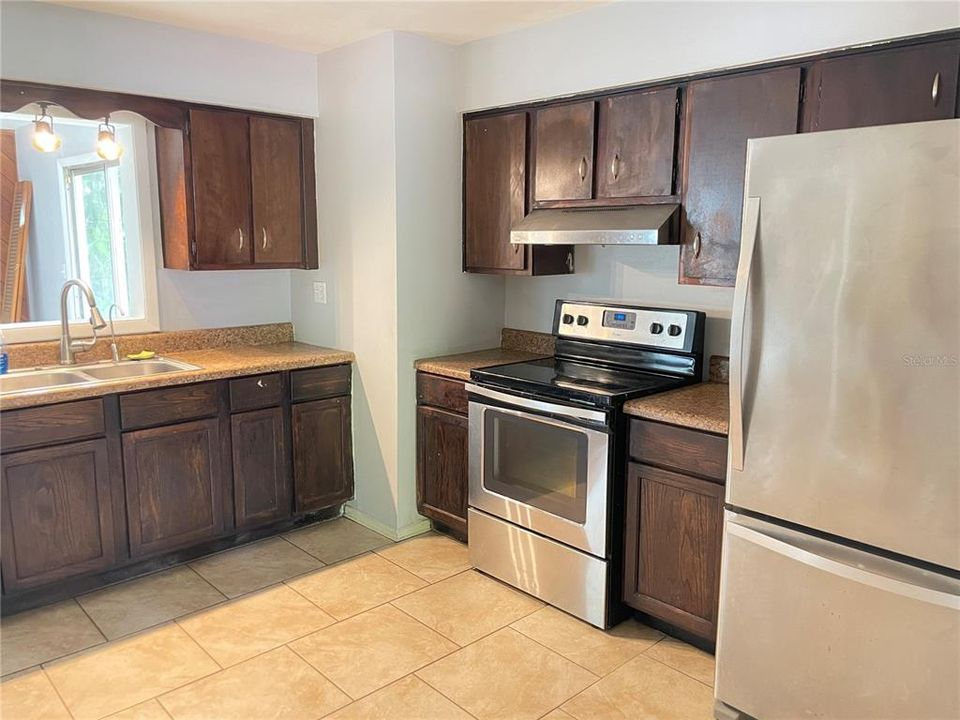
[320,292]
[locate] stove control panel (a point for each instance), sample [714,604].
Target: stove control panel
[658,328]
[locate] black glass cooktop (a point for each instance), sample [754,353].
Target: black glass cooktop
[575,381]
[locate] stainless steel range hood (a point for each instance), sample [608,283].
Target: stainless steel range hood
[636,225]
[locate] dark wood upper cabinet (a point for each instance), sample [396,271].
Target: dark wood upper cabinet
[57,514]
[564,152]
[175,486]
[495,175]
[910,84]
[322,453]
[442,450]
[636,139]
[721,115]
[237,192]
[495,199]
[220,146]
[261,467]
[277,191]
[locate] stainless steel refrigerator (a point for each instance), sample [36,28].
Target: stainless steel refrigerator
[840,595]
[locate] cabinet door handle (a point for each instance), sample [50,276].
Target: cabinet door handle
[697,243]
[615,166]
[570,261]
[240,230]
[583,169]
[935,89]
[263,245]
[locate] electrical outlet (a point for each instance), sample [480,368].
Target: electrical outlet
[320,292]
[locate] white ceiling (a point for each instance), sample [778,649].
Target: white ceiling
[318,25]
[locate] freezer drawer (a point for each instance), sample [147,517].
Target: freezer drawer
[812,629]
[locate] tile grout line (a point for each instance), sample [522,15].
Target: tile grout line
[665,664]
[57,692]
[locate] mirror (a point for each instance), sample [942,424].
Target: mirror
[67,211]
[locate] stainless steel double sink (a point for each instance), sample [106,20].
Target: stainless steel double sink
[41,379]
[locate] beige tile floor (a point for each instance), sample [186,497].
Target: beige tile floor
[390,631]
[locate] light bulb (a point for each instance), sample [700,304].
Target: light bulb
[44,139]
[107,146]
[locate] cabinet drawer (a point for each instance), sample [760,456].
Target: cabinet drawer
[168,405]
[51,424]
[689,451]
[442,392]
[319,383]
[255,392]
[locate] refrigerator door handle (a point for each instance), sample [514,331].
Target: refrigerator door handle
[836,560]
[748,241]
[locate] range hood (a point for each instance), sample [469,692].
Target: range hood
[635,225]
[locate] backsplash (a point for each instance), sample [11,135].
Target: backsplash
[33,354]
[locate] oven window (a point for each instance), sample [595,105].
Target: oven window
[536,463]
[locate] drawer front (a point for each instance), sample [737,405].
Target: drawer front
[51,424]
[442,392]
[168,405]
[258,391]
[319,383]
[675,448]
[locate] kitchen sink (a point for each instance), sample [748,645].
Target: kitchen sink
[135,368]
[39,380]
[28,381]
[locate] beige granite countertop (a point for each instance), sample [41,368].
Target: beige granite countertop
[214,364]
[459,366]
[702,407]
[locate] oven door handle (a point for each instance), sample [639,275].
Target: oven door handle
[594,416]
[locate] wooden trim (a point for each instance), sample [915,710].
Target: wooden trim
[311,246]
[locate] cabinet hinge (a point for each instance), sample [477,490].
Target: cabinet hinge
[803,89]
[193,248]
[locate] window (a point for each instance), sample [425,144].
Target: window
[91,219]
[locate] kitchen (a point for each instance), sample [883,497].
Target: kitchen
[335,329]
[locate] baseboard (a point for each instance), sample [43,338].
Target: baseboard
[418,527]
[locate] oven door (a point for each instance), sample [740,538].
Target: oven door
[541,466]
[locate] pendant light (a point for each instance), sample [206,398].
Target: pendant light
[44,139]
[107,145]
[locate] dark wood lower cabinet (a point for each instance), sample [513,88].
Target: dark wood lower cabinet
[674,525]
[322,453]
[261,467]
[442,450]
[96,491]
[57,514]
[673,530]
[175,486]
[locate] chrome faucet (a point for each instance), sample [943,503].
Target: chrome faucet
[69,346]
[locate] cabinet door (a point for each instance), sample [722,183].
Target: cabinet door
[262,482]
[277,193]
[220,162]
[672,554]
[635,144]
[57,514]
[881,88]
[174,486]
[494,190]
[442,467]
[564,152]
[721,115]
[322,453]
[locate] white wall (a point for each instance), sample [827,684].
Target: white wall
[356,186]
[55,44]
[630,42]
[440,308]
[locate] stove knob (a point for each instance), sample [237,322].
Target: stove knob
[674,330]
[656,328]
[567,319]
[582,320]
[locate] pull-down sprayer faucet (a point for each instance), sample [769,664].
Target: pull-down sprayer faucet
[69,346]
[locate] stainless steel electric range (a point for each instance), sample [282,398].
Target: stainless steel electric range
[547,450]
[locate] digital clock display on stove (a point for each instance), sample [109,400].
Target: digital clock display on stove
[619,320]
